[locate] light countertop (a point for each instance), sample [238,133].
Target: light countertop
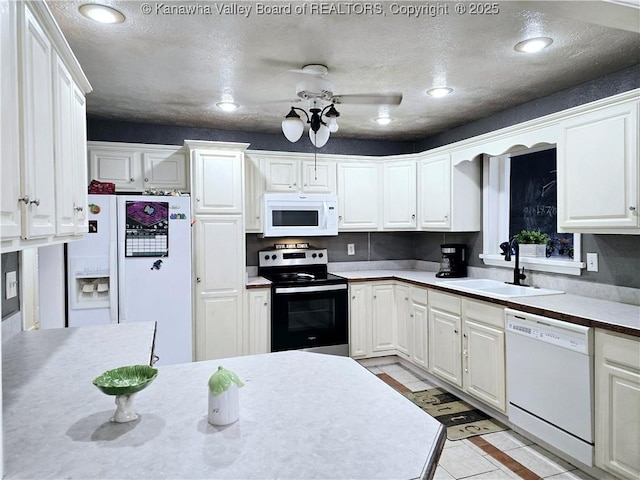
[302,415]
[588,311]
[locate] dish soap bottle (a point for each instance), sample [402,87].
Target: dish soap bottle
[224,401]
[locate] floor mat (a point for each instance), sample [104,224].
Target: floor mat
[461,419]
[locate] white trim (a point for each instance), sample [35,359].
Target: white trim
[568,267]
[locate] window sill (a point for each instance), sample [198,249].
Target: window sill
[567,267]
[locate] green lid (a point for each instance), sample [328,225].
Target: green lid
[221,381]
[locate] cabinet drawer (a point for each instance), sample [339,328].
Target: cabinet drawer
[419,295]
[483,312]
[443,301]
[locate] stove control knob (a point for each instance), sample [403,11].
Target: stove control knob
[273,257]
[314,255]
[321,255]
[266,257]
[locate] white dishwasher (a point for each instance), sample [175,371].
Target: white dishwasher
[550,381]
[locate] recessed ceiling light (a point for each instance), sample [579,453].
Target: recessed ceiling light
[101,13]
[438,92]
[227,106]
[533,45]
[383,120]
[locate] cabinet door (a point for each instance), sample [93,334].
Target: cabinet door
[281,175]
[419,334]
[254,189]
[383,318]
[445,346]
[165,170]
[484,364]
[404,323]
[358,196]
[218,329]
[435,193]
[359,300]
[119,166]
[37,126]
[617,405]
[598,171]
[218,178]
[319,177]
[10,206]
[64,125]
[399,198]
[259,321]
[80,199]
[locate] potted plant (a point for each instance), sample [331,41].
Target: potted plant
[533,243]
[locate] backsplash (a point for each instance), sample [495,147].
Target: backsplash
[618,255]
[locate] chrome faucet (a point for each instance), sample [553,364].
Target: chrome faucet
[506,248]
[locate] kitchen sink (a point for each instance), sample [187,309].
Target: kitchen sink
[496,288]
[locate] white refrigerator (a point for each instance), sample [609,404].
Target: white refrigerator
[135,265]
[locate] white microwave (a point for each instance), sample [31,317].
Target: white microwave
[293,214]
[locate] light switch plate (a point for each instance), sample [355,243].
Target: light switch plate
[351,249]
[592,262]
[11,285]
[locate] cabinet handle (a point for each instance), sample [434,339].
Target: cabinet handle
[306,185]
[265,304]
[413,216]
[455,331]
[632,208]
[131,179]
[446,215]
[411,315]
[353,298]
[375,296]
[36,201]
[24,199]
[146,179]
[198,280]
[78,209]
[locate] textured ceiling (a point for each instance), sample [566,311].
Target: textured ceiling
[172,68]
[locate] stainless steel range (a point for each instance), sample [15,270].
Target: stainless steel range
[308,305]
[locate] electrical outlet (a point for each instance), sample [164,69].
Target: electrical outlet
[11,285]
[351,249]
[592,262]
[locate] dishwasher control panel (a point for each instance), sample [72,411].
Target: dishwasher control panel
[562,334]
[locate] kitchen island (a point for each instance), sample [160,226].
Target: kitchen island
[302,415]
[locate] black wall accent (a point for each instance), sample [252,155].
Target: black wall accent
[131,132]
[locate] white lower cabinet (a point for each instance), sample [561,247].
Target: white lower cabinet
[218,332]
[419,327]
[445,346]
[359,319]
[403,319]
[383,318]
[259,320]
[483,350]
[617,404]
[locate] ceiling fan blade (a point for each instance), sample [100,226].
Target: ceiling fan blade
[373,99]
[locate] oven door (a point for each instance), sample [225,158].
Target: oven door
[309,316]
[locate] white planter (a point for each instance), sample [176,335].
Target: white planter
[224,408]
[533,250]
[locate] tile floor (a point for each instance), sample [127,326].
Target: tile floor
[495,456]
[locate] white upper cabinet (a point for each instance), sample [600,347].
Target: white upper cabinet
[37,129]
[358,195]
[135,167]
[10,206]
[289,173]
[217,177]
[254,189]
[598,171]
[449,194]
[43,125]
[399,198]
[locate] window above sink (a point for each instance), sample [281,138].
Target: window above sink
[498,215]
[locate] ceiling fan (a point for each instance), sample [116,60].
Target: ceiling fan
[317,87]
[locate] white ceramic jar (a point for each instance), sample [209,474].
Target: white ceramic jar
[224,408]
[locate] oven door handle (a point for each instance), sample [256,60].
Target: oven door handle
[316,288]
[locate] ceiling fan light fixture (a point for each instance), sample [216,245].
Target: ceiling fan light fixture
[332,114]
[101,13]
[292,126]
[533,45]
[439,92]
[227,106]
[321,137]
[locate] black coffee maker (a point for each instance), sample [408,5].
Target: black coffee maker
[454,260]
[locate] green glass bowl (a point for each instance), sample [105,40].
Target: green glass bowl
[126,380]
